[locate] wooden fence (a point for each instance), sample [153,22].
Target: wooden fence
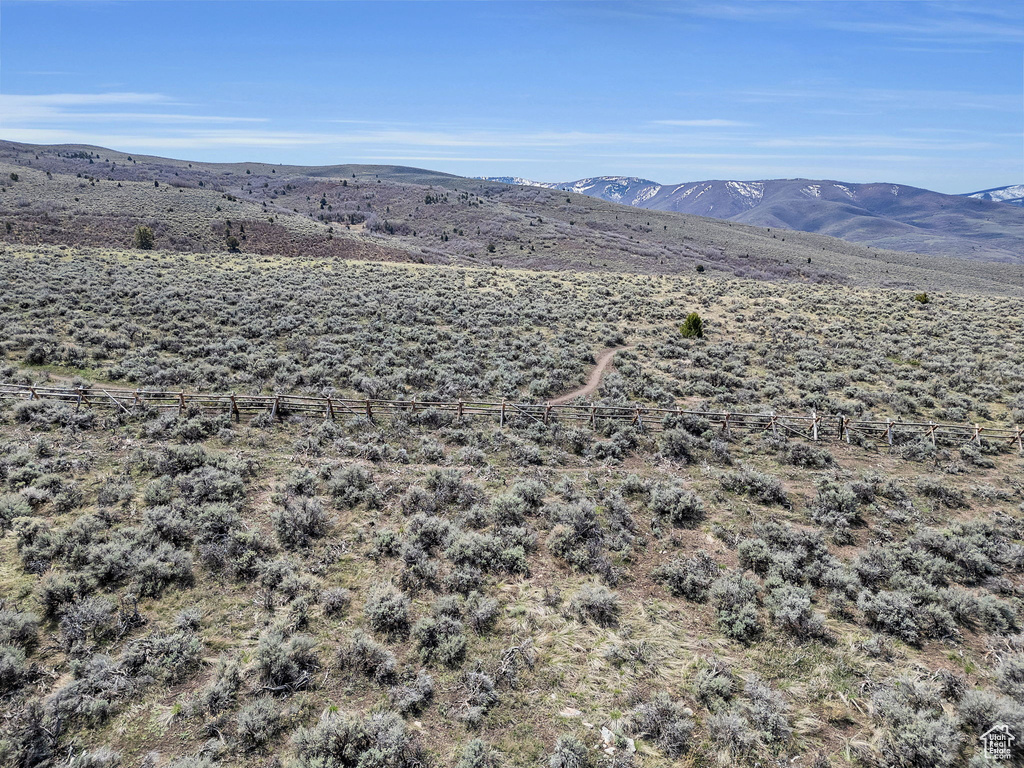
[812,426]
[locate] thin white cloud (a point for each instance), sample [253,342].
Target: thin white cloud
[31,110]
[706,123]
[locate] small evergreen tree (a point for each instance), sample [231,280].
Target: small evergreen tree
[144,239]
[692,327]
[232,243]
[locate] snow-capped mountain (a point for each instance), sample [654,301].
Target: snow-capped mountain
[885,215]
[1012,194]
[518,180]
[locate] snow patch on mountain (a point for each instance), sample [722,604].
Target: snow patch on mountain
[1012,194]
[751,191]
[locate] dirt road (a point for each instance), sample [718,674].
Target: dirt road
[593,381]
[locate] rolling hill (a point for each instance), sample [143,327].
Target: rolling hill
[90,196]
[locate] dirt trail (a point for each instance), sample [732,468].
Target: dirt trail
[593,381]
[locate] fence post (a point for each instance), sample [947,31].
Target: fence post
[846,428]
[501,421]
[273,408]
[1020,442]
[369,411]
[814,424]
[460,410]
[181,403]
[977,434]
[234,408]
[888,432]
[725,425]
[593,416]
[547,412]
[32,391]
[775,427]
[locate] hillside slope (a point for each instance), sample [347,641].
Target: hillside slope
[96,197]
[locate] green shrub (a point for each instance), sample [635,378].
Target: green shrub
[692,327]
[144,239]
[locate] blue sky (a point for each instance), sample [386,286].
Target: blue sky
[916,92]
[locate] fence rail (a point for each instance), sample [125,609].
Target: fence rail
[812,426]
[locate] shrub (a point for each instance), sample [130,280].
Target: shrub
[692,327]
[13,669]
[286,664]
[735,599]
[767,709]
[668,723]
[690,578]
[680,506]
[764,488]
[949,497]
[1010,676]
[168,657]
[835,508]
[480,695]
[341,740]
[440,638]
[477,754]
[361,653]
[411,697]
[714,685]
[335,601]
[806,455]
[790,608]
[569,752]
[299,521]
[91,618]
[917,732]
[481,612]
[922,298]
[12,505]
[221,692]
[894,613]
[144,239]
[388,611]
[258,722]
[351,486]
[680,444]
[18,627]
[596,603]
[576,536]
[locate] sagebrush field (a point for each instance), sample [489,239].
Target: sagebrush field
[192,591]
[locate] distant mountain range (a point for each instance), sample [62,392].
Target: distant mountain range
[894,216]
[1012,194]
